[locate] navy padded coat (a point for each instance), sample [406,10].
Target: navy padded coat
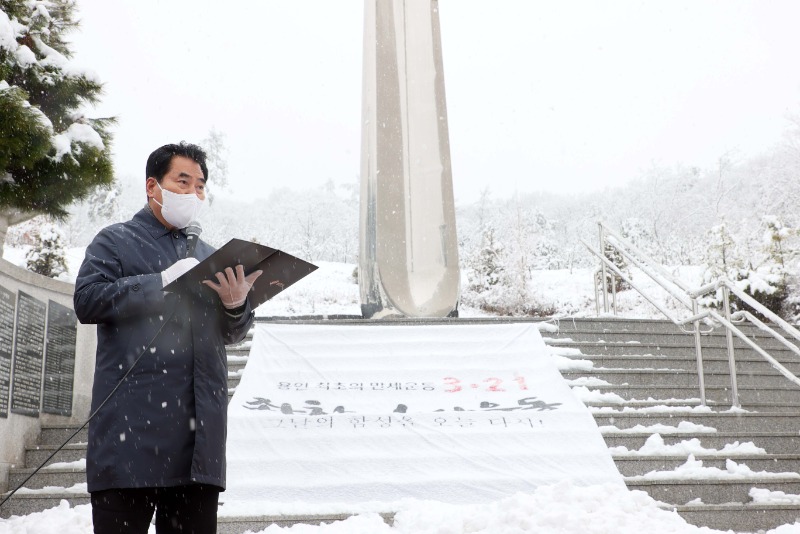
[166,424]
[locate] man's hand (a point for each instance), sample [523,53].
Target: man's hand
[175,270]
[233,287]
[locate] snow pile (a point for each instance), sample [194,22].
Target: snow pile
[77,464]
[562,508]
[654,409]
[587,381]
[765,496]
[77,488]
[559,508]
[655,446]
[76,133]
[565,361]
[8,32]
[684,427]
[59,520]
[589,395]
[693,470]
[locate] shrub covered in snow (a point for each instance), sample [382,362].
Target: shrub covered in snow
[761,273]
[47,255]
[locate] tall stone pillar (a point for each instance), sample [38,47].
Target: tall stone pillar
[408,262]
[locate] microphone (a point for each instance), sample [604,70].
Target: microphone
[193,230]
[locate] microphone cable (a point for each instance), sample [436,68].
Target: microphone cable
[193,231]
[124,377]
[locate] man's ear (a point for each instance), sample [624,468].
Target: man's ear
[149,186]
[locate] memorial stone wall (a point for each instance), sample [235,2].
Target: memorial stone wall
[46,361]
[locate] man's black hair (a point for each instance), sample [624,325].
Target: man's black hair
[159,161]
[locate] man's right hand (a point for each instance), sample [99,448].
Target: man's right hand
[175,270]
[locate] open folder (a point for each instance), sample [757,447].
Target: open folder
[280,269]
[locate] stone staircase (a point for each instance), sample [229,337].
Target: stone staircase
[641,374]
[68,482]
[633,375]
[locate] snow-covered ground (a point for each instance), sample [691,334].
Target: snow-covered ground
[562,508]
[333,290]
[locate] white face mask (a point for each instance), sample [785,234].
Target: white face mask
[179,210]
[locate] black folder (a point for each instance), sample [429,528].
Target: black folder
[280,269]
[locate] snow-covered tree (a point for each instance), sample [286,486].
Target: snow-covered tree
[50,153]
[487,267]
[722,257]
[615,256]
[47,255]
[758,273]
[103,203]
[216,160]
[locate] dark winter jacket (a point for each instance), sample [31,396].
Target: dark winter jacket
[166,424]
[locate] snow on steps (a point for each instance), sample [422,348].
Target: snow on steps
[64,478]
[638,379]
[641,384]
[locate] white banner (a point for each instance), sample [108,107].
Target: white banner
[366,413]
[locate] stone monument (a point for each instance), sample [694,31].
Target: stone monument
[408,260]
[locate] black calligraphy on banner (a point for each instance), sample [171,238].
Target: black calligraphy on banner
[315,407]
[59,363]
[7,307]
[357,386]
[28,356]
[388,422]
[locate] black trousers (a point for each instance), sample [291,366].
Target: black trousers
[179,510]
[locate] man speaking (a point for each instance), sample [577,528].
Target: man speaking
[157,445]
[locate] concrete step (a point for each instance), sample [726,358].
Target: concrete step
[716,339]
[719,394]
[70,453]
[646,406]
[63,478]
[684,362]
[771,463]
[238,351]
[772,442]
[233,379]
[677,377]
[55,435]
[616,324]
[28,503]
[236,365]
[711,491]
[589,349]
[635,327]
[722,421]
[686,406]
[748,518]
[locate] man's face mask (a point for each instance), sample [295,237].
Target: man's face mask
[179,210]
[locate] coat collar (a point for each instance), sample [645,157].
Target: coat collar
[147,219]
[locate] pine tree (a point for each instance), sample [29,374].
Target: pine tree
[50,153]
[46,257]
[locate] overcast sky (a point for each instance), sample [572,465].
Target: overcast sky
[559,95]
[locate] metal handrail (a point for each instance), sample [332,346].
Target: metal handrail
[689,298]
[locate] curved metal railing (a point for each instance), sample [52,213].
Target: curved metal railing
[689,298]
